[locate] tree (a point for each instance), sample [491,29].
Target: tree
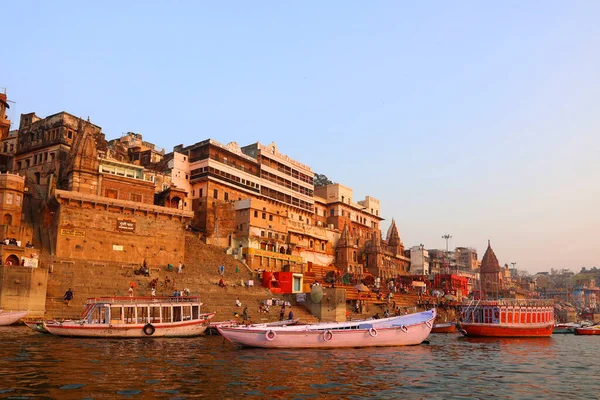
[321,180]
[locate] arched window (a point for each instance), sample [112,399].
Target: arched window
[310,244]
[322,246]
[7,220]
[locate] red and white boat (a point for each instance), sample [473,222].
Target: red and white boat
[10,317]
[588,330]
[507,318]
[403,330]
[446,327]
[126,317]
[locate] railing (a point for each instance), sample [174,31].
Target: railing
[513,302]
[155,299]
[469,317]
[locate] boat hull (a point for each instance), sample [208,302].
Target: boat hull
[167,329]
[365,334]
[10,317]
[444,328]
[595,330]
[512,330]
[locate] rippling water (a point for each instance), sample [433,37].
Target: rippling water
[39,366]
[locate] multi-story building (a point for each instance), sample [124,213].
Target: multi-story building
[419,260]
[8,138]
[466,258]
[44,146]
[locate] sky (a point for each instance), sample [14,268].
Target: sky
[474,119]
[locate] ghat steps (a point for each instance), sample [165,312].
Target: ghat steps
[95,278]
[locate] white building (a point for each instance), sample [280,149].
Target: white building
[419,260]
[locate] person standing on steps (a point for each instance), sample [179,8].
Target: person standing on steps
[180,268]
[68,297]
[282,312]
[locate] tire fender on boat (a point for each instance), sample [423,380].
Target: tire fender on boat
[428,324]
[149,329]
[270,335]
[404,329]
[373,332]
[327,336]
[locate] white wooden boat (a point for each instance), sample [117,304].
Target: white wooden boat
[403,330]
[10,317]
[127,317]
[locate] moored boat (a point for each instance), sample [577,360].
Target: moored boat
[508,318]
[446,327]
[588,330]
[403,330]
[10,317]
[127,317]
[569,327]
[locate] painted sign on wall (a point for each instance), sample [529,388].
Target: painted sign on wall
[125,225]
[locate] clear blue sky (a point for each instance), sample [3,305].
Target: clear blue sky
[469,118]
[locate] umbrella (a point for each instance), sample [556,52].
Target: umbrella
[361,288]
[450,297]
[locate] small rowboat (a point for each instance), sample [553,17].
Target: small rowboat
[446,327]
[10,317]
[403,330]
[588,330]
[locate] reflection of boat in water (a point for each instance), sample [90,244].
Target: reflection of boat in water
[446,327]
[507,318]
[136,317]
[403,330]
[10,317]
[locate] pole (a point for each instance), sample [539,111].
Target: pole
[446,237]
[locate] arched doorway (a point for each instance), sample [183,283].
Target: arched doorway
[7,219]
[174,202]
[12,260]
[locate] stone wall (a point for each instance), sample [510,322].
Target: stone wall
[23,288]
[126,232]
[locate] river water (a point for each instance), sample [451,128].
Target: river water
[37,366]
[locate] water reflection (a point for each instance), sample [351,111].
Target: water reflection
[43,366]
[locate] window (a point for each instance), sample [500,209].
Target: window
[52,155]
[111,193]
[270,235]
[331,212]
[187,176]
[215,193]
[193,192]
[226,196]
[270,218]
[322,246]
[310,244]
[264,216]
[262,233]
[199,192]
[136,197]
[255,214]
[70,135]
[18,164]
[9,198]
